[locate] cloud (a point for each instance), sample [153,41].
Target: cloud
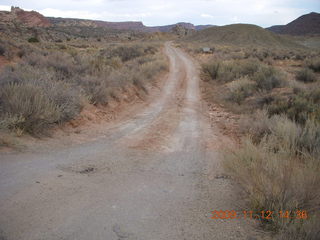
[50,12]
[5,8]
[204,15]
[160,12]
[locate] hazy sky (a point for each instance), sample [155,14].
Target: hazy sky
[161,12]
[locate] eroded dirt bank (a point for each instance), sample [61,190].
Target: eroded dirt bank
[149,177]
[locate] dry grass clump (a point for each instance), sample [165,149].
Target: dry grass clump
[314,64]
[240,89]
[243,78]
[127,53]
[35,100]
[268,78]
[2,50]
[280,172]
[226,71]
[299,107]
[306,75]
[25,107]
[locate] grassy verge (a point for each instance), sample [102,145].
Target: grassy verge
[277,163]
[49,87]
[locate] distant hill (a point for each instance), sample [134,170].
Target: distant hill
[27,18]
[201,27]
[305,25]
[73,22]
[136,26]
[182,31]
[242,35]
[35,19]
[168,28]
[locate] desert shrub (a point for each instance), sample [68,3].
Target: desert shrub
[62,63]
[309,140]
[299,107]
[33,40]
[280,173]
[19,73]
[151,67]
[66,98]
[314,64]
[127,53]
[306,75]
[96,89]
[21,53]
[63,80]
[268,78]
[27,104]
[210,70]
[240,89]
[2,50]
[221,71]
[150,50]
[62,47]
[257,125]
[34,59]
[227,71]
[247,67]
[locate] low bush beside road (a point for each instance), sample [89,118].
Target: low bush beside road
[277,163]
[50,87]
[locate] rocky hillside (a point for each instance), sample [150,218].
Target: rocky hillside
[201,27]
[242,35]
[169,28]
[35,19]
[72,22]
[135,26]
[305,25]
[181,30]
[27,18]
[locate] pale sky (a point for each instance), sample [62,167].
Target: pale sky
[162,12]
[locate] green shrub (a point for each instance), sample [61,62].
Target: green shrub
[227,71]
[33,40]
[247,67]
[299,107]
[210,70]
[240,89]
[268,78]
[127,53]
[306,75]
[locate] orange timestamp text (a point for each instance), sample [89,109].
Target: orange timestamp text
[262,215]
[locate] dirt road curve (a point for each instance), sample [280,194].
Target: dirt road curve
[151,177]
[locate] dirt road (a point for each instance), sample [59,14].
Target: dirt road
[151,177]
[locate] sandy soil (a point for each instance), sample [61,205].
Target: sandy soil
[154,174]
